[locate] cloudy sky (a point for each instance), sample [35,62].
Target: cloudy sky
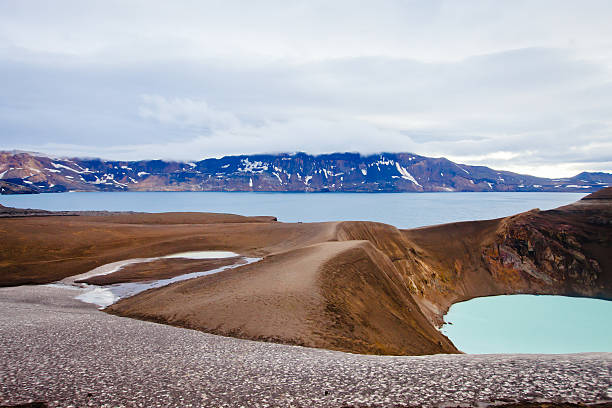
[517,85]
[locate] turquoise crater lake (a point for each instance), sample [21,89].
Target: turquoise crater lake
[530,324]
[500,324]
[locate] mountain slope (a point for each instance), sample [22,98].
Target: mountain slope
[300,172]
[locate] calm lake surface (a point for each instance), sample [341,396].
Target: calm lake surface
[530,324]
[401,210]
[504,324]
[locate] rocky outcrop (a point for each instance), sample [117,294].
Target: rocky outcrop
[15,188]
[300,172]
[566,251]
[535,252]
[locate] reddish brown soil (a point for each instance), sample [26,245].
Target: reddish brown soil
[46,249]
[160,269]
[603,194]
[353,286]
[338,295]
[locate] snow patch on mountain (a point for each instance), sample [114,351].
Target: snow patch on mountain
[280,181]
[252,167]
[406,174]
[61,166]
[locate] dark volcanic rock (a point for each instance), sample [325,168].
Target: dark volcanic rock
[299,172]
[7,187]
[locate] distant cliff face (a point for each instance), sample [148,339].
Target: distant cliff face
[300,172]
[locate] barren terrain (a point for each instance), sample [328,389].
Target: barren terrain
[158,269]
[362,287]
[56,349]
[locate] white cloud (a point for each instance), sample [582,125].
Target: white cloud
[185,112]
[436,30]
[520,85]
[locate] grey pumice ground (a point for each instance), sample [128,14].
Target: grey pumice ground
[56,349]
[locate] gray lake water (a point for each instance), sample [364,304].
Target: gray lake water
[401,210]
[506,324]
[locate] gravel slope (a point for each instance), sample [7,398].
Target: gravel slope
[57,349]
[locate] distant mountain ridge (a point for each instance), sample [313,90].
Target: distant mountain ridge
[22,172]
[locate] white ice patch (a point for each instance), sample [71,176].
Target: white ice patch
[103,270]
[252,167]
[307,179]
[61,166]
[405,174]
[202,255]
[250,182]
[3,173]
[461,168]
[364,172]
[104,296]
[61,286]
[384,162]
[280,181]
[100,296]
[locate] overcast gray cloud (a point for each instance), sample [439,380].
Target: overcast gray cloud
[521,85]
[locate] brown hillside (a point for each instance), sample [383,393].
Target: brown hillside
[337,295]
[46,249]
[355,286]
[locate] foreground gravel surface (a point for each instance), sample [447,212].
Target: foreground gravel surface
[56,349]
